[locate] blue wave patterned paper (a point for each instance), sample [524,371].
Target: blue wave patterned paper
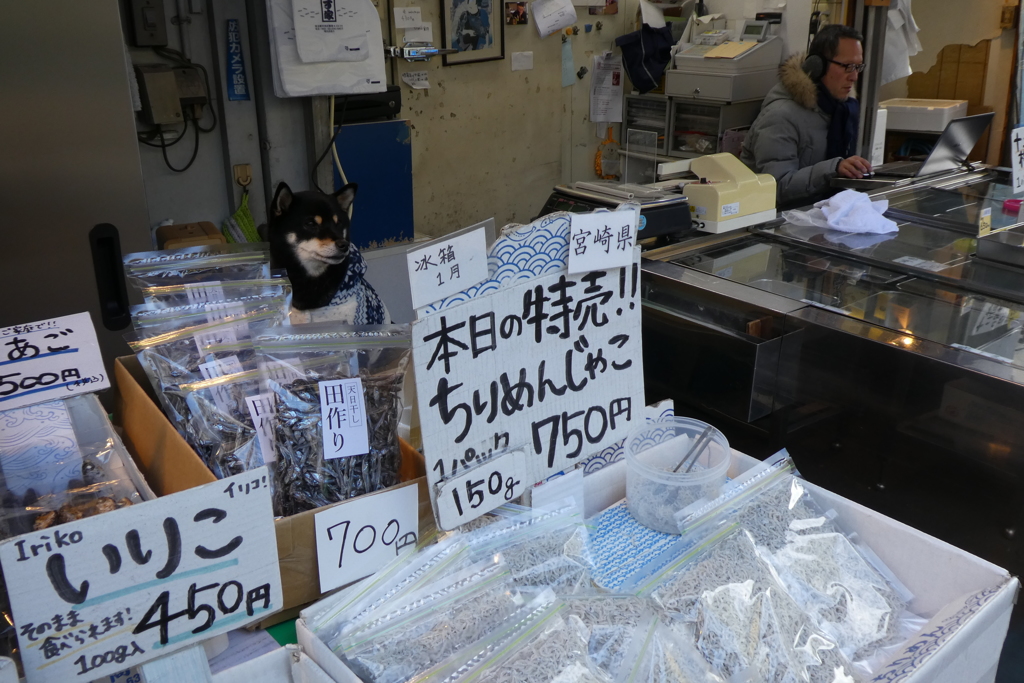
[616,452]
[620,545]
[38,448]
[523,252]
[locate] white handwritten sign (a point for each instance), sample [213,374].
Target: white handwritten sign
[344,418]
[356,538]
[552,364]
[408,17]
[601,240]
[447,265]
[424,33]
[95,596]
[1017,154]
[479,490]
[417,80]
[261,409]
[49,359]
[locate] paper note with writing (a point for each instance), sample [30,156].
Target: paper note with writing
[552,15]
[218,368]
[1017,158]
[990,317]
[606,88]
[100,594]
[343,416]
[447,265]
[331,32]
[522,61]
[985,222]
[408,17]
[358,537]
[424,33]
[479,490]
[49,359]
[261,409]
[599,240]
[416,79]
[553,365]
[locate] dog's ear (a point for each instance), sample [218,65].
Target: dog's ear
[346,195]
[282,199]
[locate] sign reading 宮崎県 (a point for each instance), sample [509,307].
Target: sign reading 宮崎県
[98,595]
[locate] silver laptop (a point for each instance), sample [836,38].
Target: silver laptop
[950,152]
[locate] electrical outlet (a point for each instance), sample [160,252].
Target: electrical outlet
[149,24]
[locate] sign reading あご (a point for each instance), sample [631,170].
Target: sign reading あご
[101,594]
[553,365]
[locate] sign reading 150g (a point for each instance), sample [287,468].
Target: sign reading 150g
[479,490]
[94,596]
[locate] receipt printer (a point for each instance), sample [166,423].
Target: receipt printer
[728,195]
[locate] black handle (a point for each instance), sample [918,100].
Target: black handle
[106,262]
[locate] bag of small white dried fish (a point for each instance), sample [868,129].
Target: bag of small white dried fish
[659,653]
[544,547]
[165,295]
[189,265]
[848,592]
[336,393]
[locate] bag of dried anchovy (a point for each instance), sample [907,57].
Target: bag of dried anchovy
[539,644]
[220,426]
[396,646]
[546,547]
[351,608]
[83,473]
[658,654]
[156,319]
[609,621]
[208,263]
[299,364]
[191,354]
[846,589]
[744,620]
[173,295]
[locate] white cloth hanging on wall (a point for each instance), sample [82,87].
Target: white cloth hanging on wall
[295,78]
[901,42]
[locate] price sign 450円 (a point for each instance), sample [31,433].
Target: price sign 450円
[102,594]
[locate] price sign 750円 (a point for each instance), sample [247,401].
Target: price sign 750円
[101,594]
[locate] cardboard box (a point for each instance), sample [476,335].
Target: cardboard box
[922,115]
[170,465]
[966,600]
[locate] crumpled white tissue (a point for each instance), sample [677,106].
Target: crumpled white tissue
[848,211]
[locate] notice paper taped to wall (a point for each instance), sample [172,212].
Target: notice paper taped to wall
[606,89]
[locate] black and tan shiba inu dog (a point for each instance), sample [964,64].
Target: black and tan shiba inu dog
[309,237]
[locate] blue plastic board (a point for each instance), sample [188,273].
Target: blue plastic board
[378,157]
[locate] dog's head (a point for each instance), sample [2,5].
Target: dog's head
[313,226]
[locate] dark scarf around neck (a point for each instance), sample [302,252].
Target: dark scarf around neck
[842,131]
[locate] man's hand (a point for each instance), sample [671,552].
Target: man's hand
[853,167]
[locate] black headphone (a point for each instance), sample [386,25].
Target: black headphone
[814,66]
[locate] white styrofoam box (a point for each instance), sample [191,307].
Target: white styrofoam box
[923,115]
[966,600]
[288,664]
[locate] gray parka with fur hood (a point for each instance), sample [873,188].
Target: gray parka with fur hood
[788,139]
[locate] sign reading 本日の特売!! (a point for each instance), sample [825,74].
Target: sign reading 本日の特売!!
[549,364]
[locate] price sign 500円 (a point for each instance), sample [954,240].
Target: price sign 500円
[99,595]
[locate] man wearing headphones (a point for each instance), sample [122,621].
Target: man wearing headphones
[806,133]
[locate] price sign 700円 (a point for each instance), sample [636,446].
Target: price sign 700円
[101,594]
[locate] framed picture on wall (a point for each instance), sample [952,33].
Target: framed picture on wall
[473,27]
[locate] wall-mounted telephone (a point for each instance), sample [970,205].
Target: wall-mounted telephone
[170,94]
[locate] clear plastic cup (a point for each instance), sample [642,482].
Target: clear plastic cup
[667,469]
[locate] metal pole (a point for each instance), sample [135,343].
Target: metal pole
[875,17]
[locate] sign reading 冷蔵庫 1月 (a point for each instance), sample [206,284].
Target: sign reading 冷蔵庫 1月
[552,365]
[99,595]
[49,359]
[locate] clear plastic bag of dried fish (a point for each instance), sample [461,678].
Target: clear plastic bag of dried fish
[155,319]
[165,295]
[296,364]
[744,620]
[191,354]
[221,427]
[538,644]
[609,622]
[847,591]
[545,548]
[442,619]
[658,653]
[189,265]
